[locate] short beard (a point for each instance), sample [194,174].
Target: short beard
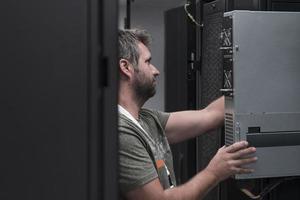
[144,91]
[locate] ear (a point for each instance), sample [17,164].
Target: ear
[126,67]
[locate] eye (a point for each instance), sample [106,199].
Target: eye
[148,61]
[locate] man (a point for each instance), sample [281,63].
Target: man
[146,168]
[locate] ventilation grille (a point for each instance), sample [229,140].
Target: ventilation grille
[229,137]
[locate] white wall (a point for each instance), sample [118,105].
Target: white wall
[149,15]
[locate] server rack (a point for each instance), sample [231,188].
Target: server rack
[261,85]
[180,87]
[210,81]
[211,14]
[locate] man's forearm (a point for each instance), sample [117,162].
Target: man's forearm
[196,188]
[217,110]
[188,124]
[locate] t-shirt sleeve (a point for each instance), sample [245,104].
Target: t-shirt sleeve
[135,165]
[162,117]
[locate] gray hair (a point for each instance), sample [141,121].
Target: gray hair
[128,44]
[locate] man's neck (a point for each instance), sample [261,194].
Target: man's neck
[128,101]
[133,109]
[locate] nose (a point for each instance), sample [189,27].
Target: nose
[155,71]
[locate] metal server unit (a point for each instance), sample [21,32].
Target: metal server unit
[261,56]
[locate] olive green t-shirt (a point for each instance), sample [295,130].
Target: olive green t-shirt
[144,154]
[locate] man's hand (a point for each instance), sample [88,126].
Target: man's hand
[231,160]
[227,161]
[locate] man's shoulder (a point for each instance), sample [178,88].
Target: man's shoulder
[148,112]
[158,116]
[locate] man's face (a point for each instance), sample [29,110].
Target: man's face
[145,76]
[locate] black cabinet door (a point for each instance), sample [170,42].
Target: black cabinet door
[50,131]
